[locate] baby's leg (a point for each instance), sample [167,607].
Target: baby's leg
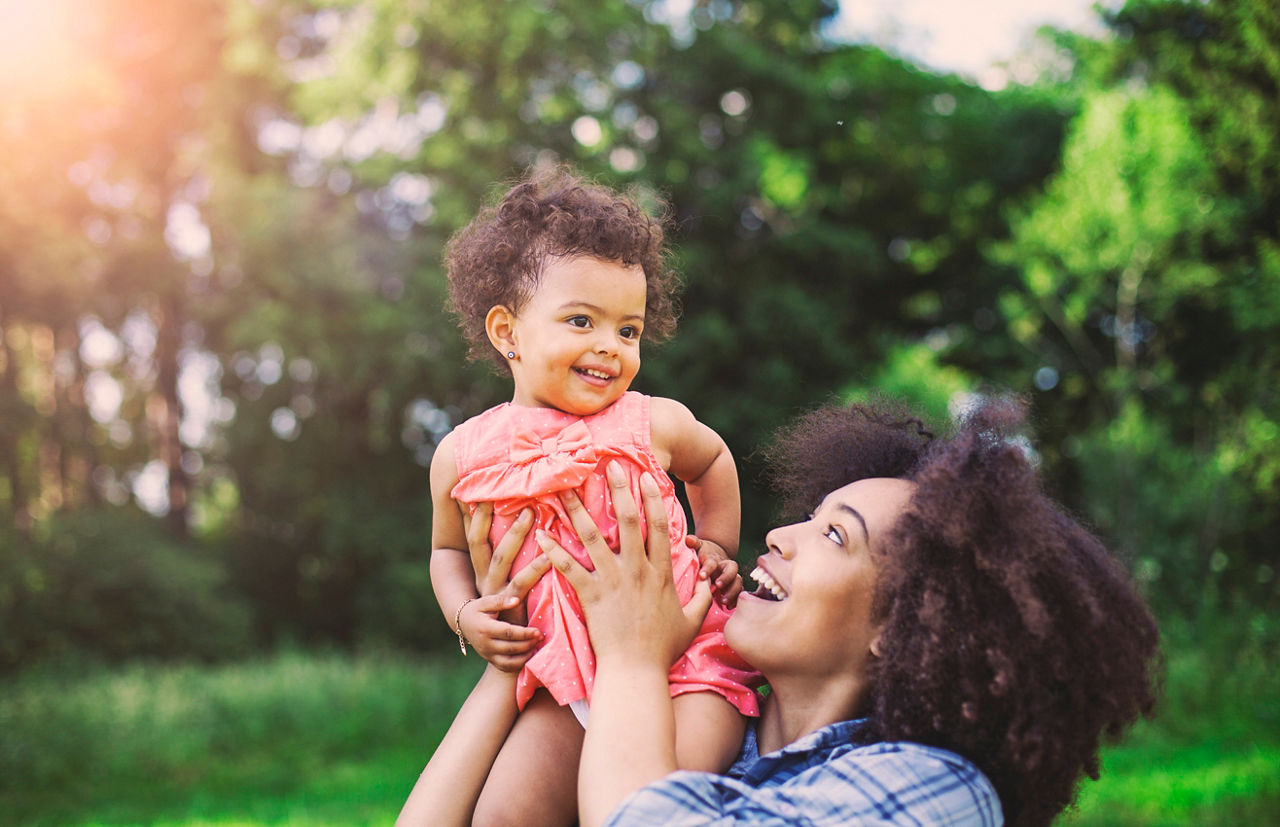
[709,731]
[534,779]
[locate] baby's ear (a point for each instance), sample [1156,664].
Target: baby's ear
[500,325]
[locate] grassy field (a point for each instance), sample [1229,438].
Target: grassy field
[327,739]
[301,739]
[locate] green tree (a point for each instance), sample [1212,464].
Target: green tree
[112,117]
[1150,295]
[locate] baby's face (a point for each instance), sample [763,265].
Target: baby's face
[577,338]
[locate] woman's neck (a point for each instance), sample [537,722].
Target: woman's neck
[794,709]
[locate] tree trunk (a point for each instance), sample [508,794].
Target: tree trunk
[169,319]
[10,404]
[87,454]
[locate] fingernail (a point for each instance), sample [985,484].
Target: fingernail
[512,602]
[542,538]
[648,482]
[614,471]
[525,516]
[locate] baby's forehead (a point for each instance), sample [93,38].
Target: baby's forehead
[588,276]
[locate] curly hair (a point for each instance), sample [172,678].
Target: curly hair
[1010,635]
[498,258]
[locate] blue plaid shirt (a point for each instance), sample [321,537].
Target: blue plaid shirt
[829,777]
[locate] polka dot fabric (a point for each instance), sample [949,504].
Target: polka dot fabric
[519,457]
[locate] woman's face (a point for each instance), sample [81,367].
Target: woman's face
[811,614]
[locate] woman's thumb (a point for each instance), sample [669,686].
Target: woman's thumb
[695,611]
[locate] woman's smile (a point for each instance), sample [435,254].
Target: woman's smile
[812,604]
[768,588]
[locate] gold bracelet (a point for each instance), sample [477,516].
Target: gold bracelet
[457,626]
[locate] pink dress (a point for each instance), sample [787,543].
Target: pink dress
[519,457]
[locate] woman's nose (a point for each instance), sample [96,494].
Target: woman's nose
[778,540]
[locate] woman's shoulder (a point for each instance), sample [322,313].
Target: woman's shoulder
[876,783]
[927,784]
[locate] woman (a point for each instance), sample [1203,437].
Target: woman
[942,644]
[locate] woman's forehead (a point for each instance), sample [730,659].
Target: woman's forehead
[878,501]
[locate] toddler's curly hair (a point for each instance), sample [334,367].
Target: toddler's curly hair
[498,258]
[1009,634]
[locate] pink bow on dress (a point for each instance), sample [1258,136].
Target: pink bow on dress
[571,449]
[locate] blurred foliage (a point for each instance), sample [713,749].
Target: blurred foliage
[114,584]
[221,291]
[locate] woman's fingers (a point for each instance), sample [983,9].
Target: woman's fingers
[493,565]
[632,546]
[478,539]
[509,546]
[655,514]
[525,579]
[625,511]
[576,573]
[588,532]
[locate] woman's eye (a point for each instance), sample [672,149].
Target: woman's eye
[579,321]
[833,534]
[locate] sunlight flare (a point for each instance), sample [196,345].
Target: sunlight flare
[37,51]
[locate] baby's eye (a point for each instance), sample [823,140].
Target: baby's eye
[833,534]
[630,332]
[579,321]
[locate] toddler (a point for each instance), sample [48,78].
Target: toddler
[559,284]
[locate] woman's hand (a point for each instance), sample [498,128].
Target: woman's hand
[629,601]
[637,630]
[494,622]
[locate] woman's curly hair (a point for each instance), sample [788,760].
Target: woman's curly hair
[498,258]
[1010,635]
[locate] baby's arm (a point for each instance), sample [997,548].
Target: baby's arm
[454,577]
[447,790]
[698,456]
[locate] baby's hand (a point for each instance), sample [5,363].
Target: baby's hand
[719,568]
[506,645]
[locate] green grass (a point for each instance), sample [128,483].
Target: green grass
[1211,756]
[297,739]
[326,739]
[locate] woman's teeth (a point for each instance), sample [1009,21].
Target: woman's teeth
[762,577]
